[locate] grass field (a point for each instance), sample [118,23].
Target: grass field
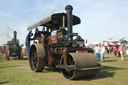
[17,72]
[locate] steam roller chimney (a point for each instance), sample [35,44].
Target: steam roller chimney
[69,9]
[15,37]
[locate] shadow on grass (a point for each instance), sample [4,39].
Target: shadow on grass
[47,70]
[104,72]
[110,60]
[25,59]
[16,58]
[6,66]
[106,57]
[3,82]
[20,59]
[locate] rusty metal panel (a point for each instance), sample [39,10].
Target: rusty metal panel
[40,50]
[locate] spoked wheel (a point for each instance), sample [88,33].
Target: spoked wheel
[37,58]
[34,58]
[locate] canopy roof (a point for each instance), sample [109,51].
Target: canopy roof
[54,21]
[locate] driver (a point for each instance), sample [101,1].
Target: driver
[37,34]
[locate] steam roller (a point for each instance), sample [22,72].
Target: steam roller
[72,65]
[60,48]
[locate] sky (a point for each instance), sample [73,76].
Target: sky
[100,19]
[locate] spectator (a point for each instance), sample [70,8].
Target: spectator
[110,49]
[127,51]
[102,52]
[107,49]
[122,51]
[37,34]
[27,41]
[115,50]
[48,33]
[118,51]
[97,52]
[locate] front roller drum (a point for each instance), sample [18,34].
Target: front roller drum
[85,63]
[37,57]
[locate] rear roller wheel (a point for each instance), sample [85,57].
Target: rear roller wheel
[37,58]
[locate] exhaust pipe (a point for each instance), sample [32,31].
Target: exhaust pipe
[69,9]
[15,37]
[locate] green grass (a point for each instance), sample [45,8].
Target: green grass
[17,72]
[1,54]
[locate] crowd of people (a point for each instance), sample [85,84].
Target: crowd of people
[38,34]
[101,50]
